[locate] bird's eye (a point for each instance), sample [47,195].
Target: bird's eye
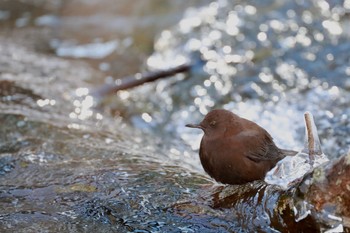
[212,123]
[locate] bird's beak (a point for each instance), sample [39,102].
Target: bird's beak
[198,126]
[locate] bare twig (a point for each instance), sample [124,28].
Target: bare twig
[138,79]
[310,136]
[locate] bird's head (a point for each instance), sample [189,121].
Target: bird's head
[215,123]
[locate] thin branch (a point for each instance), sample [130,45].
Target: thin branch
[310,136]
[139,79]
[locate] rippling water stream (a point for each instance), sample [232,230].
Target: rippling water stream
[72,163]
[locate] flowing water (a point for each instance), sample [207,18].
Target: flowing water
[72,163]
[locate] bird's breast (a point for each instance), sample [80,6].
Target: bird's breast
[225,160]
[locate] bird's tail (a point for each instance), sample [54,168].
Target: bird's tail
[289,152]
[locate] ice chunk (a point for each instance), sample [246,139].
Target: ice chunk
[292,169]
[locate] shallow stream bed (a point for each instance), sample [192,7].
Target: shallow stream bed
[72,163]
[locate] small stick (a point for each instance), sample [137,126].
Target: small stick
[139,79]
[310,136]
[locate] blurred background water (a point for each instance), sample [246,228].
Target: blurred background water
[69,162]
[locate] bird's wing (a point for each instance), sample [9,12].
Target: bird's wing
[259,146]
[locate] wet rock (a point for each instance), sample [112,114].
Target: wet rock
[6,164]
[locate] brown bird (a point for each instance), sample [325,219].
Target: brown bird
[235,150]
